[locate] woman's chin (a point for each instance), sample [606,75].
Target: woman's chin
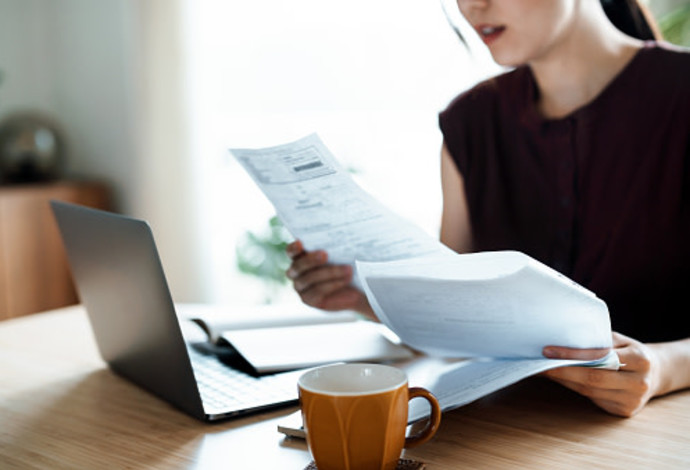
[505,60]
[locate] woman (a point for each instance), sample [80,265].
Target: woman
[578,157]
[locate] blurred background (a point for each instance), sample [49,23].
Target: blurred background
[148,95]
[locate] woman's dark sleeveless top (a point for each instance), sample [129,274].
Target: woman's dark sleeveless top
[602,195]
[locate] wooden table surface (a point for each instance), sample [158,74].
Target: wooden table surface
[61,408]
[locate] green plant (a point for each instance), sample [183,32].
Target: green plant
[263,254]
[675,26]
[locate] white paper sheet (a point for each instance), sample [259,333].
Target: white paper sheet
[320,203]
[501,304]
[296,347]
[458,382]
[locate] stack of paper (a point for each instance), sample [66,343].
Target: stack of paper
[481,319]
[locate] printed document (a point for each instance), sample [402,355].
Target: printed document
[318,202]
[501,304]
[480,320]
[457,382]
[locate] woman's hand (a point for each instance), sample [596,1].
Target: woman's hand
[623,392]
[324,285]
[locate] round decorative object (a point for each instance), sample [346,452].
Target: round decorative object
[31,149]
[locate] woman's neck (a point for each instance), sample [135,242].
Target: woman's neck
[578,68]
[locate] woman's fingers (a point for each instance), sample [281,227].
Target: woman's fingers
[559,352]
[294,249]
[331,295]
[622,392]
[324,274]
[320,284]
[306,261]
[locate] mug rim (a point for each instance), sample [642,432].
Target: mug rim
[400,380]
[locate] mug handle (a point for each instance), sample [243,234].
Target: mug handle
[434,420]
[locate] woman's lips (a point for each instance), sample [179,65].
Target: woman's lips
[489,33]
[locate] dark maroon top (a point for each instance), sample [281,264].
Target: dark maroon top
[602,195]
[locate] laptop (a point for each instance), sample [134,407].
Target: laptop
[120,281]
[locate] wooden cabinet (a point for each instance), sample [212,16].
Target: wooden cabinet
[34,274]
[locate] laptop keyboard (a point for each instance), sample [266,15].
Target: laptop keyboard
[224,389]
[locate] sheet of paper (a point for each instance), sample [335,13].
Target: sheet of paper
[453,306]
[214,319]
[458,382]
[320,203]
[295,347]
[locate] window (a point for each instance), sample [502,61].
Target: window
[368,77]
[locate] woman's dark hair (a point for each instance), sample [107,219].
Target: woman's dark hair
[631,17]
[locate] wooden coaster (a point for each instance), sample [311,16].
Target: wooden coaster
[403,464]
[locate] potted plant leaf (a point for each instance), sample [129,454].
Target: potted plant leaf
[675,26]
[263,255]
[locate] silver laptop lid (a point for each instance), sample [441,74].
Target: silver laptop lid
[120,281]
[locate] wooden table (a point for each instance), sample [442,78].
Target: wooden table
[60,407]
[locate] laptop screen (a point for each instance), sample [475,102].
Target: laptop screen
[120,281]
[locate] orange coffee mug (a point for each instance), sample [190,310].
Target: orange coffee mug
[355,415]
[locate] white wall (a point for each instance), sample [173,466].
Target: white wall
[67,59]
[109,72]
[24,40]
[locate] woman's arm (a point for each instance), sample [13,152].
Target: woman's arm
[647,371]
[456,232]
[674,360]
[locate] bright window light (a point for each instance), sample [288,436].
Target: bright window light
[368,76]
